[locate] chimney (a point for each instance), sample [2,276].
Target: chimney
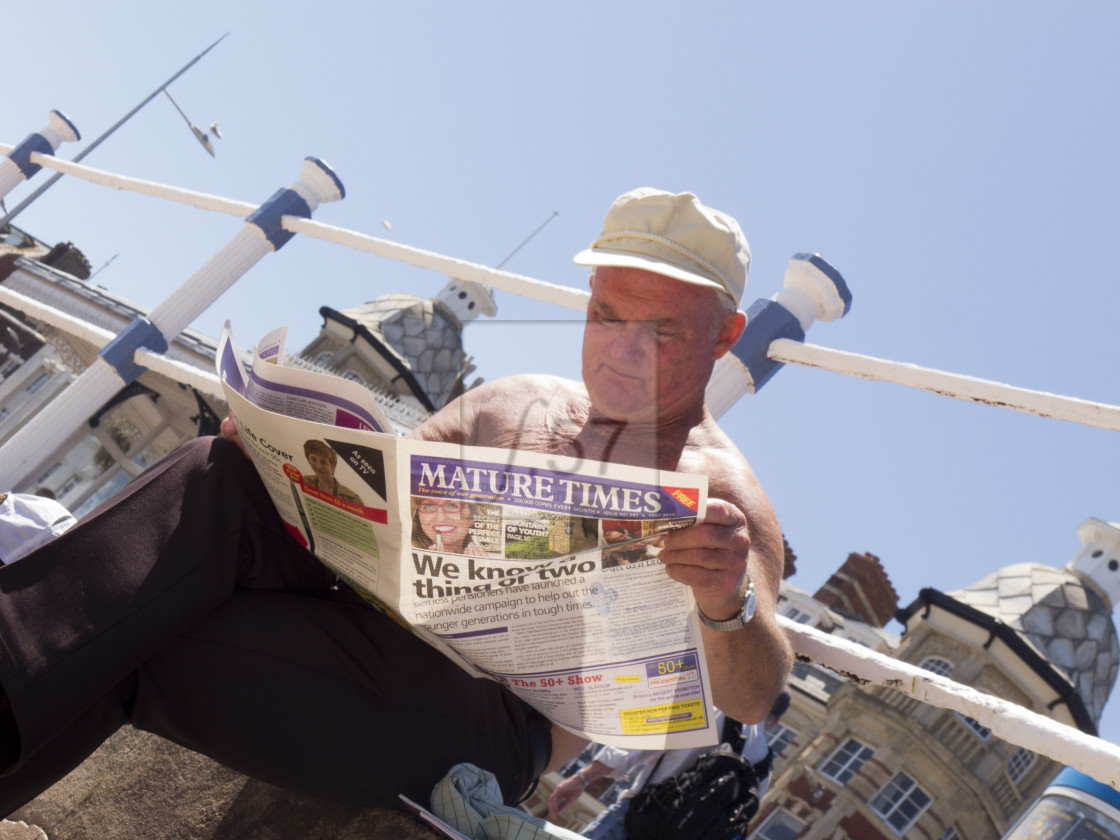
[862,589]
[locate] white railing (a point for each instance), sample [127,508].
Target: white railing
[957,386]
[1014,724]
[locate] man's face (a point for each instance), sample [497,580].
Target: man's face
[650,342]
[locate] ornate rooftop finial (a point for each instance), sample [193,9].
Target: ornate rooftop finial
[1099,557]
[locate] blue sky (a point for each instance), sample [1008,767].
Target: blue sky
[955,161]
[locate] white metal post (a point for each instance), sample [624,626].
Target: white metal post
[116,367]
[16,167]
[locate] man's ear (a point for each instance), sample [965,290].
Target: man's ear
[730,329]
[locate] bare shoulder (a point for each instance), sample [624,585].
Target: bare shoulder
[522,388]
[497,413]
[711,452]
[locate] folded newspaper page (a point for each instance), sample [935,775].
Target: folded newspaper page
[534,570]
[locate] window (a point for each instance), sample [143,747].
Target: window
[797,615]
[353,377]
[846,761]
[324,359]
[38,382]
[3,412]
[900,802]
[70,484]
[779,737]
[979,730]
[939,666]
[1018,765]
[57,466]
[780,825]
[949,834]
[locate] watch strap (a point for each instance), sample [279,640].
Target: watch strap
[737,621]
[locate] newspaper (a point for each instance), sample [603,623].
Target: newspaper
[531,569]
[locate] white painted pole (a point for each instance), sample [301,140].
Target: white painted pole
[1009,721]
[812,290]
[805,298]
[42,188]
[955,385]
[203,201]
[505,281]
[17,166]
[116,366]
[204,381]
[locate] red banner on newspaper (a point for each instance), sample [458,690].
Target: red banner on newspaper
[685,496]
[378,515]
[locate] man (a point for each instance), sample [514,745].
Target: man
[184,607]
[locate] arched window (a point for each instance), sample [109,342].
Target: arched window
[937,665]
[353,377]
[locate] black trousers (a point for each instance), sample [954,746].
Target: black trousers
[183,606]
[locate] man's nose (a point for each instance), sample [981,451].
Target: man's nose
[629,341]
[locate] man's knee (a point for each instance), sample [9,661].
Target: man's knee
[207,455]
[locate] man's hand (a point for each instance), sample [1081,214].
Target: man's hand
[569,790]
[711,557]
[229,432]
[563,795]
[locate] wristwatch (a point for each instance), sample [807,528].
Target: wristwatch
[737,621]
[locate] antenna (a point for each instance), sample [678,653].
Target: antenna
[106,264]
[555,213]
[50,181]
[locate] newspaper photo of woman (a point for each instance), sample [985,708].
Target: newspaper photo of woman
[323,461]
[445,525]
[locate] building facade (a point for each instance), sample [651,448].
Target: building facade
[858,764]
[139,425]
[408,351]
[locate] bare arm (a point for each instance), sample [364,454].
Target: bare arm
[569,790]
[740,534]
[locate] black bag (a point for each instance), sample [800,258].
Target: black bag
[713,799]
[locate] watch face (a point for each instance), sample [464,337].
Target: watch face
[748,606]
